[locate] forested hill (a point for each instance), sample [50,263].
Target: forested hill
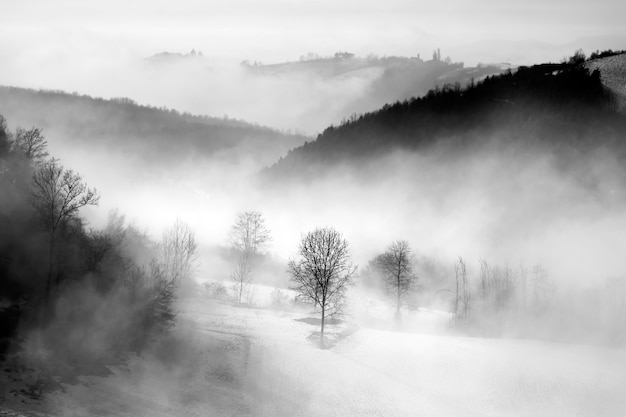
[158,135]
[561,105]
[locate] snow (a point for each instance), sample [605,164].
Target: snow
[230,360]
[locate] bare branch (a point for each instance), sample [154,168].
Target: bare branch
[396,266]
[323,272]
[31,143]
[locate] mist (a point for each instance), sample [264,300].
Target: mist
[179,126]
[513,207]
[107,63]
[301,102]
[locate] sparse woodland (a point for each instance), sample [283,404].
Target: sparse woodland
[54,270]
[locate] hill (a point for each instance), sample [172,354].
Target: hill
[384,79]
[155,135]
[563,106]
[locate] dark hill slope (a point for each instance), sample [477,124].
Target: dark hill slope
[563,106]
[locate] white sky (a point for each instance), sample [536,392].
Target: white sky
[278,30]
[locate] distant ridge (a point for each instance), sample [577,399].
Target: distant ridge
[390,78]
[155,134]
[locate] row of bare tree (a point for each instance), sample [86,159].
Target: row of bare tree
[488,299]
[324,270]
[499,295]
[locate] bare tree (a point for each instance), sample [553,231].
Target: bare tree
[58,194]
[31,143]
[396,265]
[5,136]
[323,272]
[178,252]
[242,275]
[248,236]
[462,293]
[249,233]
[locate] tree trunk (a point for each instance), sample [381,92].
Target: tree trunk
[456,298]
[46,309]
[50,261]
[322,332]
[398,301]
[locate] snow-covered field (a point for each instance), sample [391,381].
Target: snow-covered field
[226,360]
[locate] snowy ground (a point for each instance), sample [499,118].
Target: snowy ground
[234,361]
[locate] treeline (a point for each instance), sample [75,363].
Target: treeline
[75,299]
[597,54]
[494,300]
[563,106]
[490,300]
[160,135]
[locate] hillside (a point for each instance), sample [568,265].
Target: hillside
[563,106]
[613,74]
[120,126]
[305,95]
[385,79]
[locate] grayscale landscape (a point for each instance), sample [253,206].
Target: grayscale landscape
[312,209]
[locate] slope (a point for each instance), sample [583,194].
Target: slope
[382,79]
[613,73]
[120,126]
[561,106]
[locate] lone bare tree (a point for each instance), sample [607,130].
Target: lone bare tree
[248,236]
[462,292]
[396,265]
[58,194]
[323,272]
[178,251]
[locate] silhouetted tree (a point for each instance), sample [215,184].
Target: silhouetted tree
[323,272]
[58,194]
[32,144]
[178,252]
[5,143]
[396,266]
[248,236]
[462,292]
[249,233]
[579,57]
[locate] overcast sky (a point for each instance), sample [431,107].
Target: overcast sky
[277,30]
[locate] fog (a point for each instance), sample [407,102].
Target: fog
[543,225]
[301,102]
[277,30]
[512,207]
[102,51]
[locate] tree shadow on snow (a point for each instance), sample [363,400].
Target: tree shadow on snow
[317,322]
[333,334]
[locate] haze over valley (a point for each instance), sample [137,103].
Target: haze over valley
[417,215]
